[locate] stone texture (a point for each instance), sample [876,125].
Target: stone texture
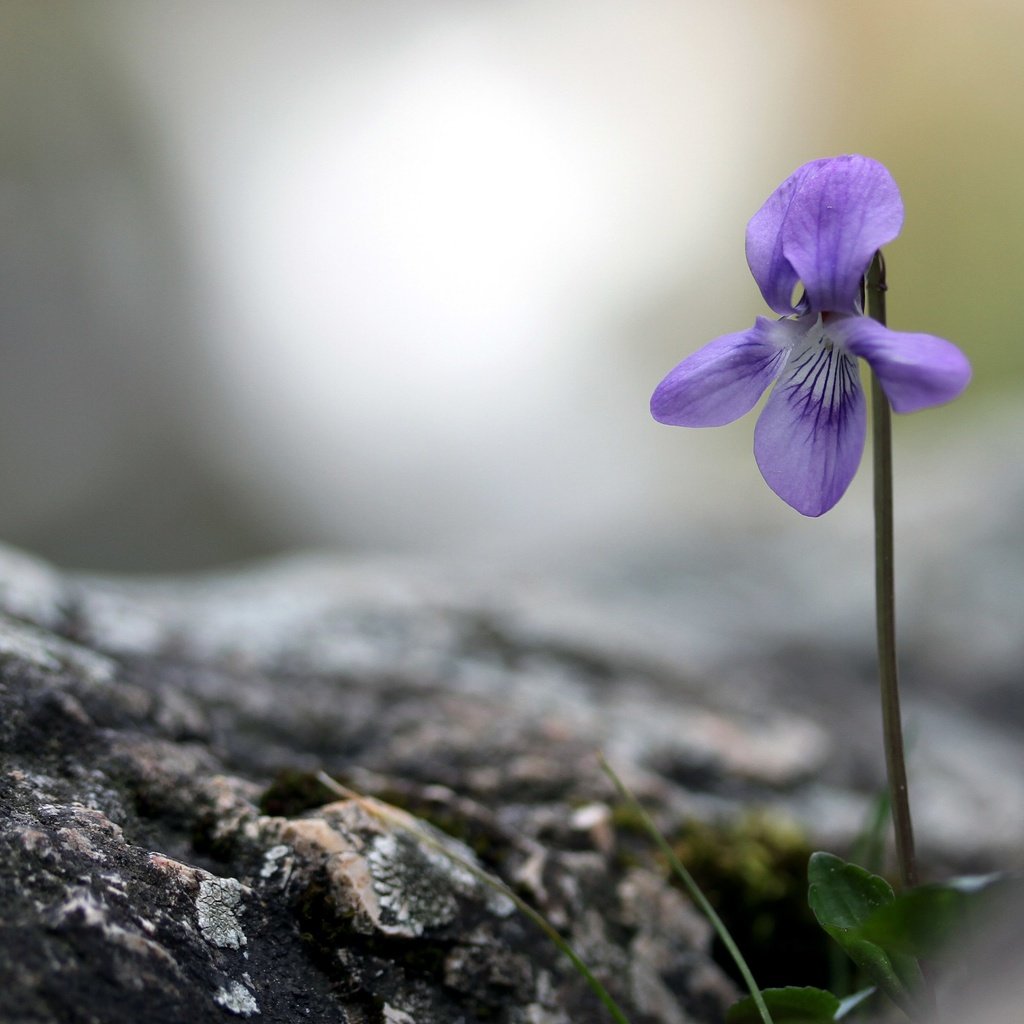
[170,853]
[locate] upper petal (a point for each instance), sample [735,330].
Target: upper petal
[810,435]
[821,226]
[916,371]
[724,379]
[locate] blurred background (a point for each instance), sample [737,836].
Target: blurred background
[401,276]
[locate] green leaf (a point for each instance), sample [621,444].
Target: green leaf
[787,1006]
[918,922]
[924,921]
[843,897]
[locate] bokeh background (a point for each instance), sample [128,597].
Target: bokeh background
[400,276]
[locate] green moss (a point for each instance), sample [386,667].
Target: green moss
[293,792]
[627,819]
[477,835]
[757,853]
[754,872]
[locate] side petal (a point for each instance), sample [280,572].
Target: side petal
[723,380]
[772,271]
[810,435]
[821,227]
[916,371]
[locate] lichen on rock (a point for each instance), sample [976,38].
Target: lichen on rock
[236,998]
[171,852]
[218,906]
[382,877]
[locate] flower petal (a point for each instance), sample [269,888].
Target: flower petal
[810,436]
[916,371]
[774,273]
[821,226]
[723,380]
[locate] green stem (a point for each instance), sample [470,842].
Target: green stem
[885,600]
[404,820]
[694,890]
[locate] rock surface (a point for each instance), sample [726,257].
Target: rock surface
[171,854]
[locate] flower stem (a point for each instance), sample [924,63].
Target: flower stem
[885,601]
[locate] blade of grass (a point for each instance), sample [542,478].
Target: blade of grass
[694,890]
[869,845]
[402,819]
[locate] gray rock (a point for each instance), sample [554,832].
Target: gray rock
[171,854]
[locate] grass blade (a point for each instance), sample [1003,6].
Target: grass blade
[694,890]
[404,820]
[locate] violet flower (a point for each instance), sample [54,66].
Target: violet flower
[820,230]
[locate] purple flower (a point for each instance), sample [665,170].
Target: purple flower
[819,229]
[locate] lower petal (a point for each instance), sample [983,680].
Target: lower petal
[723,380]
[810,436]
[916,371]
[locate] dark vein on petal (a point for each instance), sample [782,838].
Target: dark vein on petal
[821,380]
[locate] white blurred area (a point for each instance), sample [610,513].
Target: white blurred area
[421,254]
[378,275]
